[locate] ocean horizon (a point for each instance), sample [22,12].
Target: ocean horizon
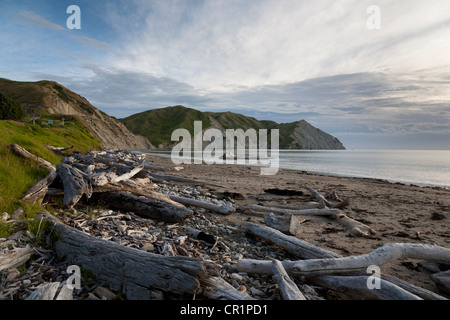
[416,167]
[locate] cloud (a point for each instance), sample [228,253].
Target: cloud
[221,45]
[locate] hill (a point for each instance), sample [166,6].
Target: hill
[54,101]
[157,126]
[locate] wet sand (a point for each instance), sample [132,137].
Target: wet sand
[397,213]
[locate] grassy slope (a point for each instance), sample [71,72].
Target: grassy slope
[157,125]
[18,174]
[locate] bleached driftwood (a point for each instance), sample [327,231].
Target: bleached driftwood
[37,192]
[333,213]
[75,185]
[129,270]
[355,228]
[15,258]
[144,207]
[130,174]
[387,253]
[162,177]
[322,201]
[26,154]
[289,290]
[442,280]
[263,267]
[215,288]
[135,188]
[418,291]
[225,210]
[287,223]
[49,291]
[102,178]
[295,246]
[357,288]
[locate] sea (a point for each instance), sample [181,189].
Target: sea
[417,167]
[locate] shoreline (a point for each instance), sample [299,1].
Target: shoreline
[398,213]
[320,173]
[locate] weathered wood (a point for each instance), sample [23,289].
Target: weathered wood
[357,288]
[295,246]
[162,177]
[200,235]
[225,210]
[387,253]
[75,184]
[49,291]
[135,188]
[102,178]
[15,258]
[216,288]
[418,291]
[130,174]
[127,269]
[323,202]
[289,290]
[262,267]
[44,292]
[37,192]
[26,154]
[355,228]
[333,213]
[287,223]
[145,207]
[442,280]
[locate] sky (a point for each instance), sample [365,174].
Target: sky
[375,74]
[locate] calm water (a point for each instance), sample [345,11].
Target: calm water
[429,168]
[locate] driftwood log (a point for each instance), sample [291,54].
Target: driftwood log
[37,192]
[289,290]
[387,253]
[137,189]
[142,206]
[216,288]
[26,154]
[287,223]
[134,272]
[322,201]
[356,287]
[355,228]
[293,245]
[75,185]
[442,280]
[224,210]
[15,258]
[51,291]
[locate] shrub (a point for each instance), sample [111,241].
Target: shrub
[10,109]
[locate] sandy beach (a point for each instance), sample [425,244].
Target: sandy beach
[396,212]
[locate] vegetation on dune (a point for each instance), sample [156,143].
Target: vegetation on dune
[18,174]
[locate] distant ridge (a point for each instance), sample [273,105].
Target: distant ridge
[157,126]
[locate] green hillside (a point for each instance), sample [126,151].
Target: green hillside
[157,126]
[18,174]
